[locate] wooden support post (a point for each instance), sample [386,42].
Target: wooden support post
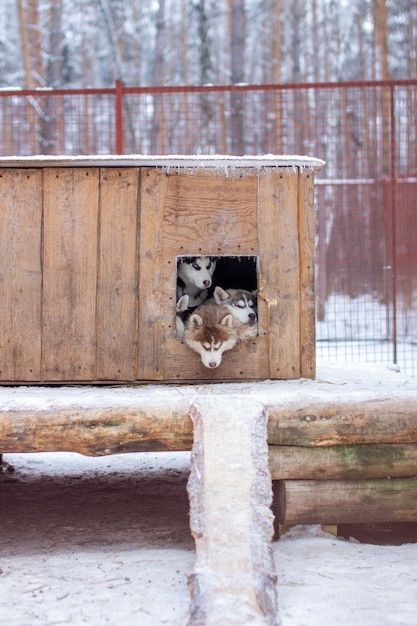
[234,580]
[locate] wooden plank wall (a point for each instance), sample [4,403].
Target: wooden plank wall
[209,213]
[88,270]
[20,274]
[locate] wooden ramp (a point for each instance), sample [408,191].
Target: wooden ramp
[234,580]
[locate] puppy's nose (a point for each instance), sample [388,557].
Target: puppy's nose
[206,283]
[252,317]
[212,364]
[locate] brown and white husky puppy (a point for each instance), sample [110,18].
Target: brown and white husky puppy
[195,277]
[210,331]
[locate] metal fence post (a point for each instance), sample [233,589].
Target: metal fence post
[119,116]
[393,226]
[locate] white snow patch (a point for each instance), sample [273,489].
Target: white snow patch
[166,161]
[333,383]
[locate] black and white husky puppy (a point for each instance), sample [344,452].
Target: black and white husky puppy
[194,278]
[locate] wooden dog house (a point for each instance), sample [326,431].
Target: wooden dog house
[88,264]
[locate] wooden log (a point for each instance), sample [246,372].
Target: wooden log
[234,580]
[345,502]
[97,431]
[343,462]
[331,423]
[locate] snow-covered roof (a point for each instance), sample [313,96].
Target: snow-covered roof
[167,161]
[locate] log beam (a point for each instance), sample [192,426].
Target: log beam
[332,423]
[234,580]
[158,426]
[343,462]
[347,502]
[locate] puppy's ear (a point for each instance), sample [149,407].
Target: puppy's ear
[254,293]
[182,303]
[220,294]
[195,321]
[227,321]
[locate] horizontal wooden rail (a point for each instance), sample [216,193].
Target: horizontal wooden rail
[305,413]
[345,502]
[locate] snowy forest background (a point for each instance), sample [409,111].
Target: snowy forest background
[91,43]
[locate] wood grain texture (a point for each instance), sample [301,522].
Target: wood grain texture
[95,431]
[346,502]
[20,274]
[357,462]
[93,297]
[306,228]
[117,274]
[279,268]
[70,273]
[151,331]
[209,213]
[387,420]
[234,580]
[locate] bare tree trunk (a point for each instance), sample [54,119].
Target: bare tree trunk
[381,33]
[276,40]
[31,43]
[111,30]
[237,48]
[50,134]
[30,34]
[24,44]
[158,136]
[273,131]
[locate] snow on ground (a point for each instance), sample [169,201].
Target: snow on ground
[106,541]
[360,330]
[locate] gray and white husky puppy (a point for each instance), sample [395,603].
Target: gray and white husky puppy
[242,305]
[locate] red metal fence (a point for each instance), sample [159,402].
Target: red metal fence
[366,197]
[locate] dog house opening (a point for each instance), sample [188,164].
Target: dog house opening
[225,281]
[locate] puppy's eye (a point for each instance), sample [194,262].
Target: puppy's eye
[196,266]
[239,305]
[208,266]
[206,347]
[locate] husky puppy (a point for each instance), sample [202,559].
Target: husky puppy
[194,278]
[210,331]
[240,302]
[182,313]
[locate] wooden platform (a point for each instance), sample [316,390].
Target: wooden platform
[350,423]
[341,448]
